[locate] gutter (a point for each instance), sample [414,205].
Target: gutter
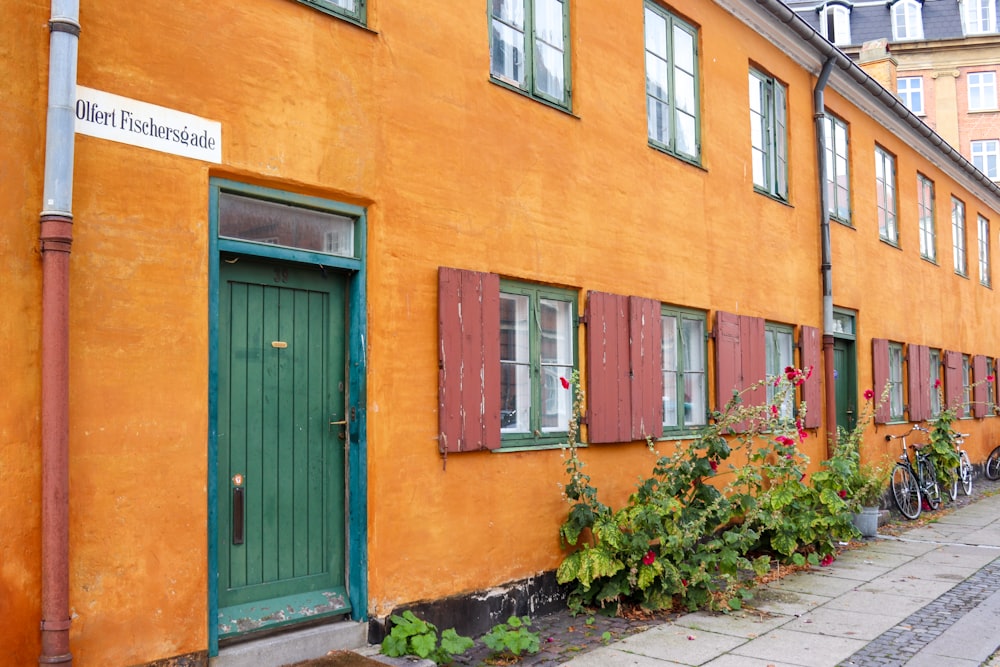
[830,389]
[56,237]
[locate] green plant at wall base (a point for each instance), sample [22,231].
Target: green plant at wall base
[679,538]
[411,635]
[513,637]
[941,447]
[860,484]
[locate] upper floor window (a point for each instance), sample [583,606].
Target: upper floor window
[910,90]
[958,237]
[769,135]
[672,83]
[907,22]
[979,16]
[985,155]
[778,350]
[837,176]
[982,91]
[836,21]
[529,47]
[685,388]
[885,195]
[983,227]
[925,213]
[349,9]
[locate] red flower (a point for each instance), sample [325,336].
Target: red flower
[937,383]
[684,582]
[842,493]
[827,560]
[774,410]
[649,558]
[869,394]
[714,464]
[565,383]
[803,435]
[789,370]
[989,378]
[809,372]
[784,440]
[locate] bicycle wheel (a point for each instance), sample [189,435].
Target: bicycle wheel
[929,483]
[992,467]
[965,472]
[906,491]
[953,479]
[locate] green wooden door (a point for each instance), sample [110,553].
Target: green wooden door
[281,460]
[845,378]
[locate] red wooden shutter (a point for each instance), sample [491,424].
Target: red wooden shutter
[609,386]
[880,377]
[953,385]
[809,344]
[979,373]
[646,355]
[754,354]
[728,359]
[918,362]
[469,362]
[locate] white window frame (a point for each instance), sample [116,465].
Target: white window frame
[769,134]
[885,195]
[983,228]
[838,176]
[979,17]
[958,237]
[985,155]
[836,21]
[685,369]
[925,215]
[907,21]
[779,354]
[672,97]
[895,381]
[982,90]
[910,91]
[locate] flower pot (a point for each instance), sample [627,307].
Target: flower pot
[866,521]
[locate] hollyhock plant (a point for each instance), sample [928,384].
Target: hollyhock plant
[649,558]
[565,382]
[869,394]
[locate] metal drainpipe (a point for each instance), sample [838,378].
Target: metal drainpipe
[56,236]
[819,113]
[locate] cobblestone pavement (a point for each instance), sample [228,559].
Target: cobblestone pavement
[895,647]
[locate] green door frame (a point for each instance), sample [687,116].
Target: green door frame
[845,339]
[356,267]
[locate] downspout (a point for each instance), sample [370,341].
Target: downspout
[56,236]
[819,113]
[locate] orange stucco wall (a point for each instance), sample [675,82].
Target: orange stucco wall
[454,171]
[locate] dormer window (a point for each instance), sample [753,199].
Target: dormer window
[907,23]
[836,21]
[978,16]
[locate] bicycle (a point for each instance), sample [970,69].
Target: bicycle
[991,469]
[914,482]
[963,471]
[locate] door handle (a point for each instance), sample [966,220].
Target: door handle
[238,509]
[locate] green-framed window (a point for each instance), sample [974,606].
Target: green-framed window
[958,237]
[925,214]
[537,348]
[966,386]
[352,10]
[685,386]
[885,195]
[529,48]
[895,381]
[779,346]
[983,227]
[991,387]
[934,372]
[672,104]
[838,181]
[769,135]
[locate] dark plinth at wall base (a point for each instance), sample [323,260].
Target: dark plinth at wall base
[473,614]
[198,659]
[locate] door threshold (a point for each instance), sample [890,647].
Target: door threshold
[265,615]
[293,646]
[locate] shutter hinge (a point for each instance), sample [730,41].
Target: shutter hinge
[583,319]
[585,418]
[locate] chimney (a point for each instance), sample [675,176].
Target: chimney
[878,63]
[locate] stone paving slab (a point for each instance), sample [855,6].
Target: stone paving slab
[899,546]
[800,648]
[744,661]
[898,606]
[959,556]
[842,623]
[908,586]
[613,657]
[786,602]
[859,571]
[807,582]
[745,624]
[870,557]
[680,644]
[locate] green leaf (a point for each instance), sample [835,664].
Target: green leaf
[394,646]
[424,644]
[454,643]
[735,604]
